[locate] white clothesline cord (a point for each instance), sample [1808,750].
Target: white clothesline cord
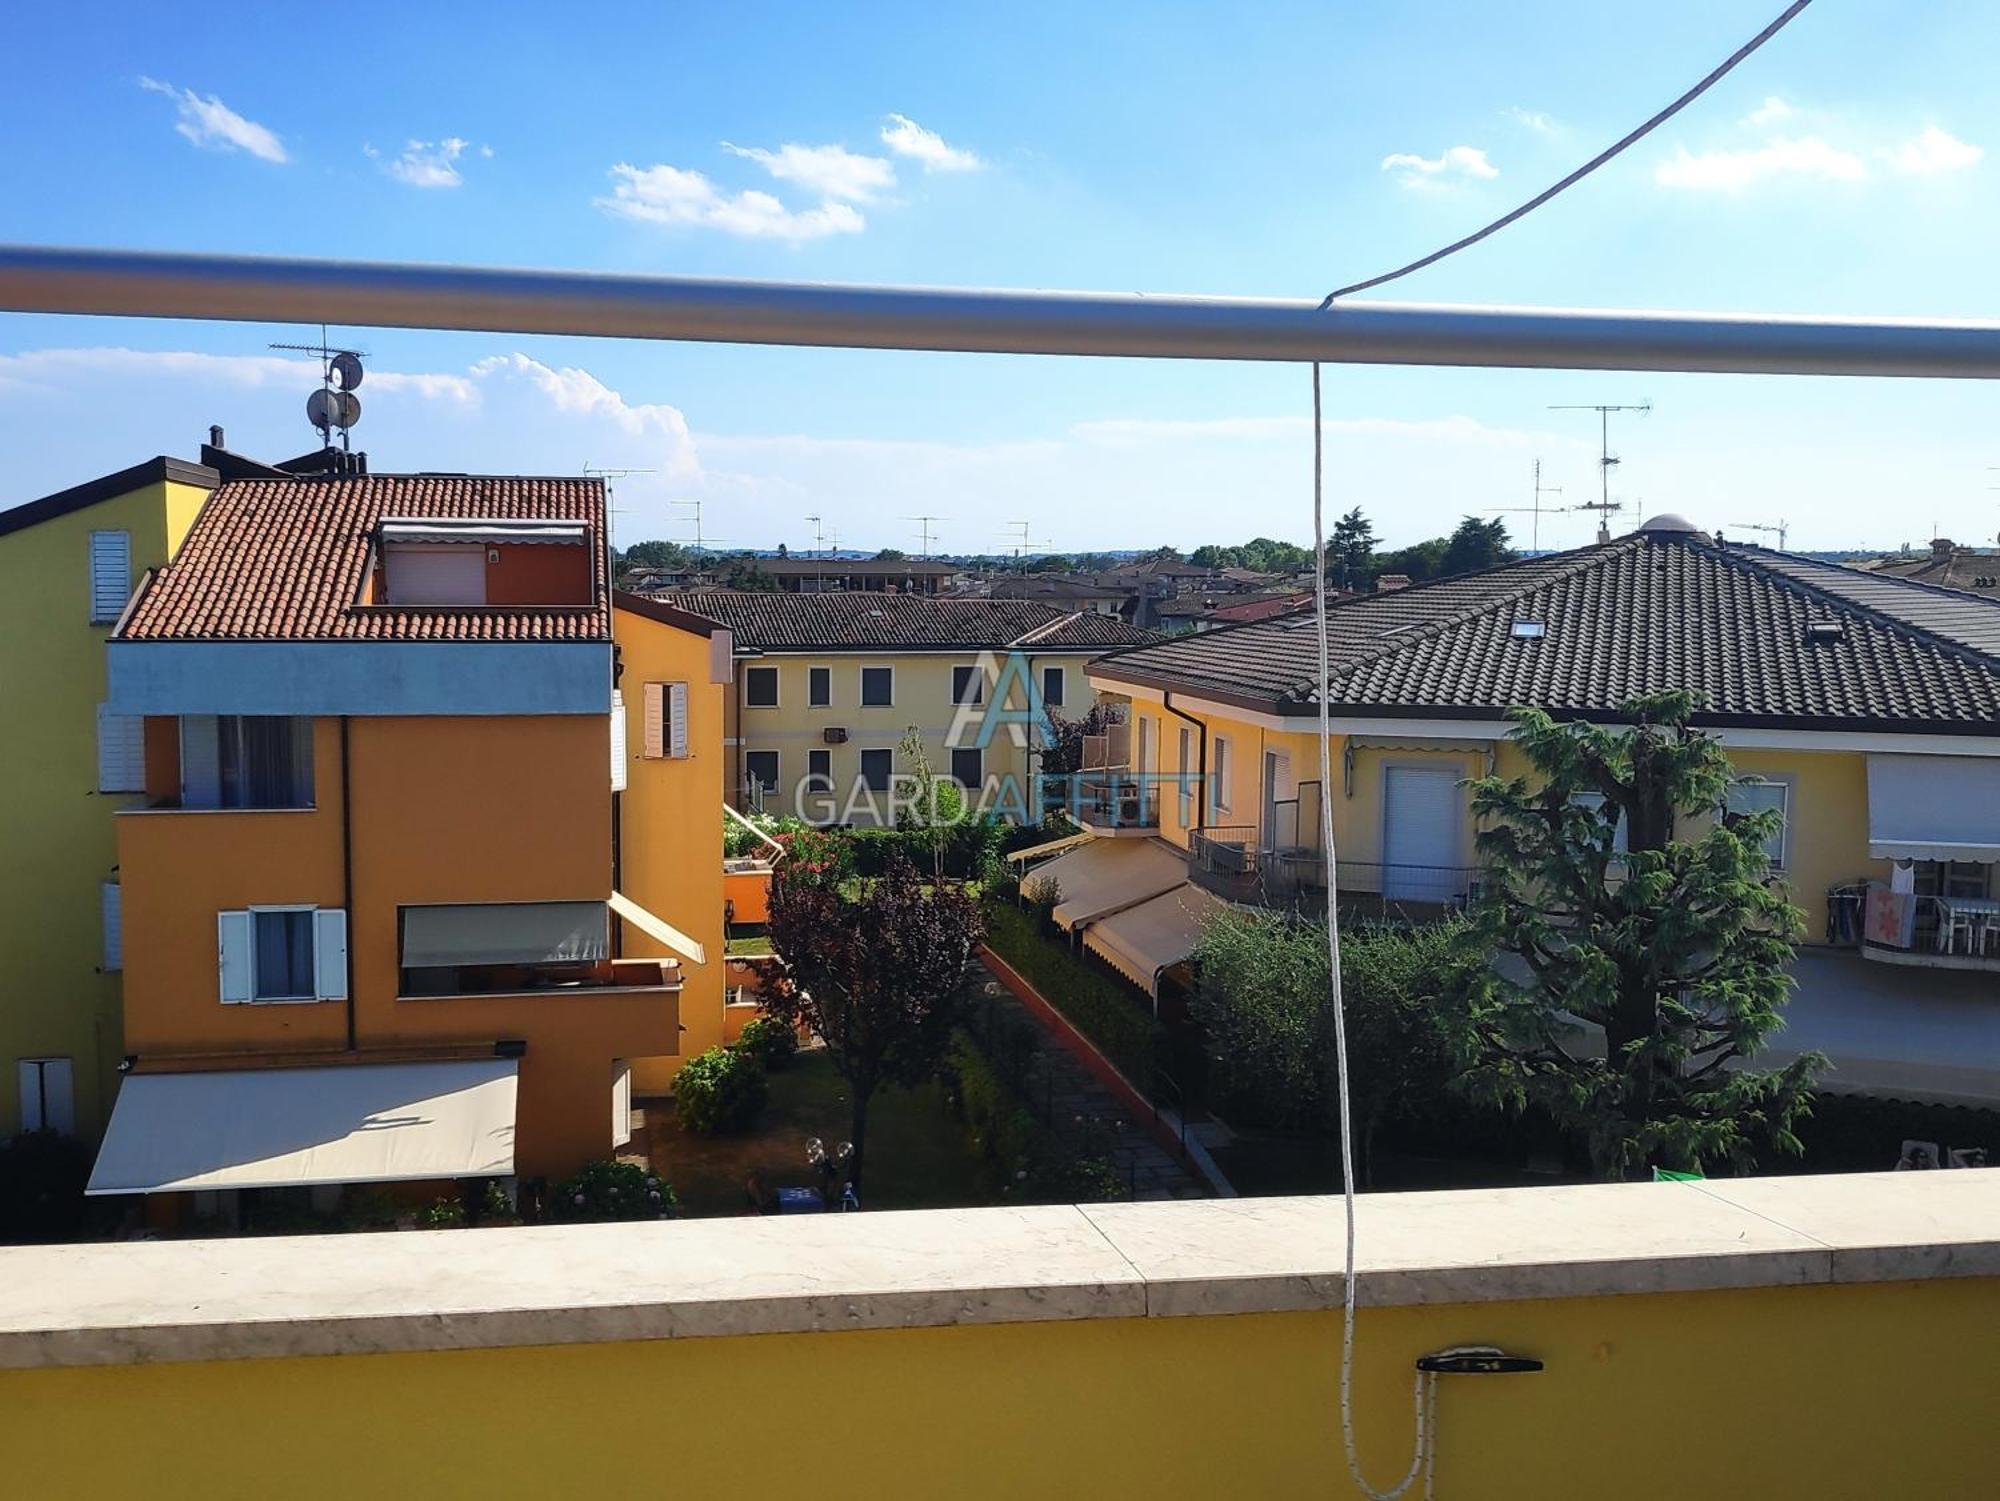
[1423,1395]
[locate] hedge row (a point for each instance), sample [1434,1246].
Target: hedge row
[1034,1167]
[1102,1008]
[971,848]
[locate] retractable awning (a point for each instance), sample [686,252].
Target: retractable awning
[1142,941]
[288,1127]
[485,530]
[1934,808]
[658,928]
[1107,874]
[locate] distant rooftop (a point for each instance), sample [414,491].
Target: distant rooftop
[867,621]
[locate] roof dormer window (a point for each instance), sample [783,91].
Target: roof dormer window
[454,562]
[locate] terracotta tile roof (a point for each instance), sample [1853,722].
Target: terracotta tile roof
[284,559]
[1647,612]
[902,622]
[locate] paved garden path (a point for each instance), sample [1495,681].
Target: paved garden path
[1086,1115]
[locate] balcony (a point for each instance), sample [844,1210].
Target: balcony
[1226,860]
[1741,1306]
[1115,804]
[1954,928]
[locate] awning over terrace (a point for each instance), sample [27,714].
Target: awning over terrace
[1107,875]
[1142,941]
[658,928]
[1934,808]
[288,1127]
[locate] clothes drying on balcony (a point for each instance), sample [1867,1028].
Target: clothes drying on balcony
[1143,941]
[1934,808]
[291,1127]
[1108,875]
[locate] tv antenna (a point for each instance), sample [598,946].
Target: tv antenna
[1021,542]
[1535,532]
[694,506]
[334,405]
[1605,459]
[1779,529]
[608,475]
[924,529]
[819,535]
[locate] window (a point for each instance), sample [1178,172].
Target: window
[246,761]
[121,751]
[1053,682]
[819,770]
[819,687]
[1595,802]
[666,728]
[1219,787]
[968,767]
[111,903]
[876,768]
[968,685]
[760,687]
[760,769]
[278,954]
[1755,795]
[738,995]
[504,948]
[1187,777]
[110,575]
[878,687]
[48,1094]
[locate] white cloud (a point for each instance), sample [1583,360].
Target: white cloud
[1530,119]
[575,392]
[1732,171]
[1770,112]
[213,125]
[825,171]
[1933,152]
[429,164]
[49,370]
[1456,163]
[906,137]
[679,195]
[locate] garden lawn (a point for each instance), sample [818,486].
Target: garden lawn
[919,1156]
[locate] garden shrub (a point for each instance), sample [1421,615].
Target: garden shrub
[770,1041]
[1106,1010]
[720,1091]
[1033,1166]
[610,1190]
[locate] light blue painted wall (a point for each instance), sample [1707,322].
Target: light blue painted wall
[359,677]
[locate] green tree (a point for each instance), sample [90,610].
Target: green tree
[1676,950]
[892,555]
[875,977]
[1474,545]
[1420,561]
[656,555]
[938,806]
[1351,550]
[1265,1005]
[746,574]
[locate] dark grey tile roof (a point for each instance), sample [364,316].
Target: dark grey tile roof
[902,622]
[1644,613]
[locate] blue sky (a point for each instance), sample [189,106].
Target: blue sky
[1250,149]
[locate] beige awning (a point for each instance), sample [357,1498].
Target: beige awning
[1141,941]
[658,928]
[288,1127]
[1106,874]
[1053,847]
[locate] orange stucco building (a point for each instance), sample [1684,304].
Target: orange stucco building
[405,901]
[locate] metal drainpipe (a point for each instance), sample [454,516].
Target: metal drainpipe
[347,876]
[1201,796]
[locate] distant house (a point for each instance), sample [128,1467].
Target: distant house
[1204,612]
[826,686]
[1068,591]
[1948,565]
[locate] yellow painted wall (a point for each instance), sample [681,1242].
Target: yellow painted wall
[922,699]
[671,850]
[57,843]
[1840,1393]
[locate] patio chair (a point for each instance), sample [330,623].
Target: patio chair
[1952,922]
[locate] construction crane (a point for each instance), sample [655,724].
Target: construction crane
[1604,505]
[1777,529]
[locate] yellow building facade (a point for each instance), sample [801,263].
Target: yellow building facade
[68,563]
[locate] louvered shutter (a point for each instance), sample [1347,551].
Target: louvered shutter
[110,575]
[677,703]
[234,952]
[113,902]
[330,953]
[654,731]
[617,741]
[121,751]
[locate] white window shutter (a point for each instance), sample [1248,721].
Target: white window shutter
[621,1102]
[114,926]
[110,575]
[48,1095]
[330,953]
[121,751]
[677,743]
[29,1072]
[617,741]
[234,951]
[654,725]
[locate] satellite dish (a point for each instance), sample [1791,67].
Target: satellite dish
[345,371]
[329,409]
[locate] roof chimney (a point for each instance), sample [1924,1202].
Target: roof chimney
[1942,549]
[1390,582]
[215,436]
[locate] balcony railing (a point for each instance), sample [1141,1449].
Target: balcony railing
[1117,802]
